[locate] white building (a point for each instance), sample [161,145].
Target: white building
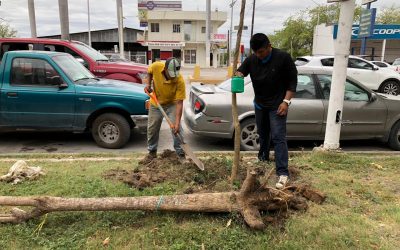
[182,34]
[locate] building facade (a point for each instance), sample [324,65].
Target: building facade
[384,44]
[182,34]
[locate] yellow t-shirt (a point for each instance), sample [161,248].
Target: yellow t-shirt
[167,91]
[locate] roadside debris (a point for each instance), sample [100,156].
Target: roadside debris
[20,171]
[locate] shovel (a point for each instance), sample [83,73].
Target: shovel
[188,151]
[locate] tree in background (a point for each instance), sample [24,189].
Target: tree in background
[296,36]
[389,15]
[6,30]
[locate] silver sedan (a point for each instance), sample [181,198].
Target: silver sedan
[366,114]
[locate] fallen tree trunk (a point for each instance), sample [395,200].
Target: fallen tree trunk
[249,201]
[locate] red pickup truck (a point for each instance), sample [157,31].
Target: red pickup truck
[96,62]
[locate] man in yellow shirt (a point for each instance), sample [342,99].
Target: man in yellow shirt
[169,88]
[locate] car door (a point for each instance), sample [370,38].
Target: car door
[32,97]
[363,72]
[306,111]
[363,117]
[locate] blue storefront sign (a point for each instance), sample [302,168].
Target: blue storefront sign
[381,32]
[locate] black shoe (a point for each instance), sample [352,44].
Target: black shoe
[149,157]
[263,157]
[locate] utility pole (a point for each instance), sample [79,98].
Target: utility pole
[88,17]
[64,19]
[252,18]
[32,17]
[342,51]
[208,21]
[230,31]
[120,28]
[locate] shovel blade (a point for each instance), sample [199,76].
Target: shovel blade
[189,153]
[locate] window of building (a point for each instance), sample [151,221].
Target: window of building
[203,30]
[190,56]
[155,27]
[188,30]
[176,28]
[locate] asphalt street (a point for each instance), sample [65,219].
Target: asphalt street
[35,142]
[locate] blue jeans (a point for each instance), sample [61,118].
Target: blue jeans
[154,125]
[271,127]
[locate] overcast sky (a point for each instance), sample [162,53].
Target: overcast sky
[270,14]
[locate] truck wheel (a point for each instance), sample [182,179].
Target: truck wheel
[390,88]
[111,130]
[394,137]
[249,139]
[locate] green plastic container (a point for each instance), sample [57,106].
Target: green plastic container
[237,84]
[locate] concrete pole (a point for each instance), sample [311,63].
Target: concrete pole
[64,19]
[208,35]
[32,17]
[342,51]
[88,17]
[252,19]
[383,50]
[120,28]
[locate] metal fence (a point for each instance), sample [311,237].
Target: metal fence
[133,56]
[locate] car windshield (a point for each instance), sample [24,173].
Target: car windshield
[72,68]
[396,62]
[226,85]
[92,53]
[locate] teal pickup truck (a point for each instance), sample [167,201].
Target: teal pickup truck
[51,91]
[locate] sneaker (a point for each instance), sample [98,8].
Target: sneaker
[149,157]
[283,180]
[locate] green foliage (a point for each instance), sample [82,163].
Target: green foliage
[296,37]
[389,15]
[6,30]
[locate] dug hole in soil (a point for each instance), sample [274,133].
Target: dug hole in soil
[167,168]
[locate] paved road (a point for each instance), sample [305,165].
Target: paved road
[30,142]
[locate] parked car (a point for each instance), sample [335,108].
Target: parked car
[396,63]
[93,60]
[380,79]
[366,114]
[381,64]
[51,91]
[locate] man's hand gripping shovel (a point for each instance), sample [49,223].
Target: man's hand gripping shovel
[188,151]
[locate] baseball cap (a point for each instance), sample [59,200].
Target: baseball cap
[172,66]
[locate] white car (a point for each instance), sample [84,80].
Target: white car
[386,65]
[396,63]
[380,79]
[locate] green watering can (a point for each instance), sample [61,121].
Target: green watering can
[237,84]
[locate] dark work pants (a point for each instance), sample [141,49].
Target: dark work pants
[271,128]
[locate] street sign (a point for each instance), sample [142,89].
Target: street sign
[244,27]
[368,1]
[367,22]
